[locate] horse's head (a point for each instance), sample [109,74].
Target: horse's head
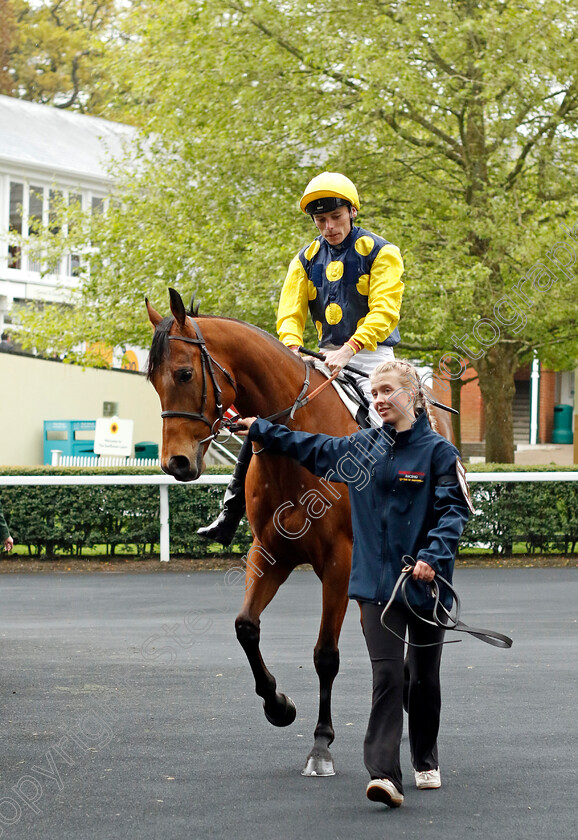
[193,387]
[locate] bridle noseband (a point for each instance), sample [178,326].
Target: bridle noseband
[208,364]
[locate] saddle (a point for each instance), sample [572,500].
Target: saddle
[350,393]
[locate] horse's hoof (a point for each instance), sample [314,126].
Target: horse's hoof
[283,713]
[319,763]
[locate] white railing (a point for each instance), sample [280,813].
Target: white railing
[164,481]
[60,460]
[550,475]
[102,461]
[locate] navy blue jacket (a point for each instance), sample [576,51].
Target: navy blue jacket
[404,493]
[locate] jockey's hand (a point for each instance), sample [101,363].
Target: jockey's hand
[423,571]
[336,360]
[246,422]
[294,349]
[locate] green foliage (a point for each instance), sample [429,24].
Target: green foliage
[58,51]
[7,34]
[49,519]
[543,515]
[457,121]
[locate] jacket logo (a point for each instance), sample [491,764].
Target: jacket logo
[411,476]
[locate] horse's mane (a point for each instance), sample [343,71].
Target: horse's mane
[160,341]
[160,345]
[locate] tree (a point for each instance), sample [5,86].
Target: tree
[59,51]
[457,120]
[7,31]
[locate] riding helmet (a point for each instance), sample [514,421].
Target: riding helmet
[328,191]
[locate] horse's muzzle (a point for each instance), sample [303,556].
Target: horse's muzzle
[181,468]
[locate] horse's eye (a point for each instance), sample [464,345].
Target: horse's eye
[185,375]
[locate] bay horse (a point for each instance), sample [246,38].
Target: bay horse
[199,366]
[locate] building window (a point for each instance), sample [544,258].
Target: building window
[75,205]
[35,207]
[33,210]
[55,206]
[16,202]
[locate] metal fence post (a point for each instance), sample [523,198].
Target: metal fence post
[165,545]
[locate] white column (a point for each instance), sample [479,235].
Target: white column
[164,519]
[534,403]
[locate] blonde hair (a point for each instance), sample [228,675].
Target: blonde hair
[411,379]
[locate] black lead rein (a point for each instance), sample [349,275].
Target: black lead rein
[442,617]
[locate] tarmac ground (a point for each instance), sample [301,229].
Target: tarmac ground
[128,711]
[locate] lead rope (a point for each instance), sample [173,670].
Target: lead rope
[447,621]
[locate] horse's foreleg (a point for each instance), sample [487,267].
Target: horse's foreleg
[263,579]
[326,659]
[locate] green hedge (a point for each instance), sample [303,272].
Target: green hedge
[49,519]
[542,516]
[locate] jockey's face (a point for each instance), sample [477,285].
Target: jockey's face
[335,226]
[393,400]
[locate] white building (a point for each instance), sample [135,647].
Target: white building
[48,156]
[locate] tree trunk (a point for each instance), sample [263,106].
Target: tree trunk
[496,377]
[456,389]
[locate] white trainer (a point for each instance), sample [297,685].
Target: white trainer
[428,779]
[384,790]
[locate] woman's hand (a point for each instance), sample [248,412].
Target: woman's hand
[246,422]
[423,571]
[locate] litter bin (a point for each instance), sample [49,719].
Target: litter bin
[562,432]
[146,449]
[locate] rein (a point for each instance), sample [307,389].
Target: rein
[302,400]
[446,620]
[208,364]
[358,372]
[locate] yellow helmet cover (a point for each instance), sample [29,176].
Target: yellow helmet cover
[328,185]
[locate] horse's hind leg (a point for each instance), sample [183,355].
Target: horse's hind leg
[326,659]
[263,578]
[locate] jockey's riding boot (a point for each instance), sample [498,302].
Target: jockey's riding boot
[225,525]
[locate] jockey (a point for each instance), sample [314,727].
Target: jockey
[350,281]
[349,278]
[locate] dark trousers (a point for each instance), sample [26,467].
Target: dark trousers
[382,741]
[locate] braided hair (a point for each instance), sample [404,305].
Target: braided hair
[412,381]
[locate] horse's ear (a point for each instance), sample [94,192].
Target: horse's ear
[195,306]
[154,316]
[178,307]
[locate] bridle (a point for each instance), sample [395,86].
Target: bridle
[208,365]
